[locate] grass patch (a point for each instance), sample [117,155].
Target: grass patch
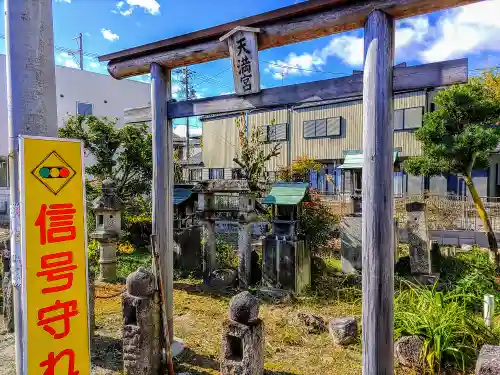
[128,263]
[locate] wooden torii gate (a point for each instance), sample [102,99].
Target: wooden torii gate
[292,24]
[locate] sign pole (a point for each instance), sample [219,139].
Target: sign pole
[31,96]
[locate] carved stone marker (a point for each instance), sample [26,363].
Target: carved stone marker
[418,238]
[350,234]
[141,325]
[242,349]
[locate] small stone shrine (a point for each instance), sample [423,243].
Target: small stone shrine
[107,209]
[187,233]
[242,349]
[418,239]
[286,259]
[229,200]
[141,325]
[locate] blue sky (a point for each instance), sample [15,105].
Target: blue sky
[111,25]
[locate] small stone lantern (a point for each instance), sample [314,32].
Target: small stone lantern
[107,209]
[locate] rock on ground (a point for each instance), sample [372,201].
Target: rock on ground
[408,351]
[244,308]
[314,323]
[343,331]
[488,362]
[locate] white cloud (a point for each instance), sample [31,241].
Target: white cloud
[94,65]
[227,93]
[466,30]
[109,35]
[459,32]
[65,59]
[149,6]
[295,64]
[63,1]
[180,130]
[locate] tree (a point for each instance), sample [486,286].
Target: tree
[122,154]
[299,170]
[459,137]
[252,156]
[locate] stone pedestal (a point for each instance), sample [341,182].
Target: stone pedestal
[107,260]
[242,349]
[142,325]
[418,238]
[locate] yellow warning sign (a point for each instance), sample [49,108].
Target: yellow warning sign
[54,262]
[54,172]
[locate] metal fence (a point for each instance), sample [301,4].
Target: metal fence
[443,212]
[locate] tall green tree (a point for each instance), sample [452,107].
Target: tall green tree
[458,137]
[122,154]
[252,154]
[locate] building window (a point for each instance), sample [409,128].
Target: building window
[275,132]
[216,173]
[327,127]
[4,172]
[195,174]
[84,109]
[236,174]
[408,118]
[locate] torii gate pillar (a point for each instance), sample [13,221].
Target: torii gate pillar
[377,196]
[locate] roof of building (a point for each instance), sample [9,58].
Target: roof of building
[196,159]
[287,193]
[181,195]
[355,161]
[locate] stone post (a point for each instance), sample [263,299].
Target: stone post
[107,209]
[8,302]
[244,254]
[141,325]
[242,349]
[209,249]
[418,238]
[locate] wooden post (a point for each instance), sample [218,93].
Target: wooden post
[377,194]
[163,180]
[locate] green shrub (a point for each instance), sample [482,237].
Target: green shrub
[128,263]
[93,255]
[470,275]
[227,257]
[452,333]
[317,223]
[137,229]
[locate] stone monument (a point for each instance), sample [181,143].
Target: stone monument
[107,209]
[141,325]
[350,243]
[242,349]
[418,239]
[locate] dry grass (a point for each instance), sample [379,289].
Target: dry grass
[199,315]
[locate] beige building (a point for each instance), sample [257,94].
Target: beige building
[332,133]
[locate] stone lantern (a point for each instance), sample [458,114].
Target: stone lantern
[107,210]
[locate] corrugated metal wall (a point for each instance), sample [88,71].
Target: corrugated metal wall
[220,135]
[220,142]
[262,118]
[406,139]
[328,148]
